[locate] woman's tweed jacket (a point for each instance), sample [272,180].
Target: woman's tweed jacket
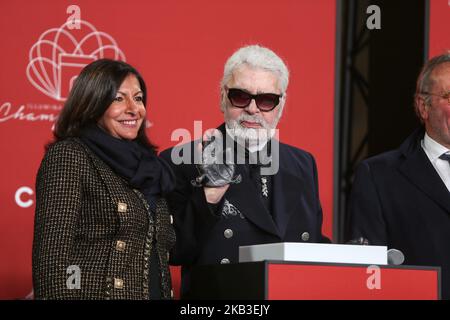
[89,218]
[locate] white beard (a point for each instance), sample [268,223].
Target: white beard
[252,139]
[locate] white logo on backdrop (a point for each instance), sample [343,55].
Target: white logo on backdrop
[18,197]
[58,56]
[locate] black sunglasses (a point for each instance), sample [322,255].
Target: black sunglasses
[264,101]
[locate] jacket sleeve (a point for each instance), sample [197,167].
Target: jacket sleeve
[366,217]
[193,217]
[58,202]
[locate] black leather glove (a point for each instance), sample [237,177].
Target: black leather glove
[214,169]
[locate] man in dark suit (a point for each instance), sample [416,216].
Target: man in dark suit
[401,198]
[213,217]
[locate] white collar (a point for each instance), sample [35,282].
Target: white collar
[433,148]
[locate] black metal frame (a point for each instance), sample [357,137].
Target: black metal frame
[354,37]
[351,140]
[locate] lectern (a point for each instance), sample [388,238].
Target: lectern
[286,280]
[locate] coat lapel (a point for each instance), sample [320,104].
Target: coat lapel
[113,185]
[419,170]
[245,197]
[288,193]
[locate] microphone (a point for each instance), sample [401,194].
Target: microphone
[395,257]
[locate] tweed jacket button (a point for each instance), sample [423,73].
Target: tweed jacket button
[118,283]
[228,233]
[122,207]
[224,261]
[305,236]
[171,219]
[120,245]
[171,293]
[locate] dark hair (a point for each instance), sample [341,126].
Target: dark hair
[92,93]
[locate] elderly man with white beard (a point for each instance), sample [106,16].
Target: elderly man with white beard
[248,188]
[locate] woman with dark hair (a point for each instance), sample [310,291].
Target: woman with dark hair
[102,226]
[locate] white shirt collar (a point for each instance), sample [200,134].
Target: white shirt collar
[433,149]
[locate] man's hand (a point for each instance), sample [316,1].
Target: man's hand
[215,174]
[214,195]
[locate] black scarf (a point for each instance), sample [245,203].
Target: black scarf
[137,164]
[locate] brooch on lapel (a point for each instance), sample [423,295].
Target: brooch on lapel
[264,188]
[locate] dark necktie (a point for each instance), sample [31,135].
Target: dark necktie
[446,157]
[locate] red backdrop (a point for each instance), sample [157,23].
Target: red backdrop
[439,27]
[180,48]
